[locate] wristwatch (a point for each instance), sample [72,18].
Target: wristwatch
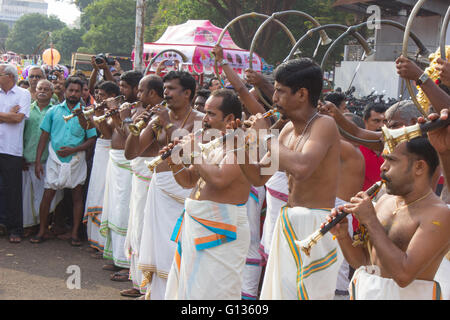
[424,77]
[224,62]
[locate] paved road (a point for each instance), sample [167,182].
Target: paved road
[38,272]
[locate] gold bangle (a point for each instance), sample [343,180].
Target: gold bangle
[168,126]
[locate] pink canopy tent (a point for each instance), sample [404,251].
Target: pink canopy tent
[196,39]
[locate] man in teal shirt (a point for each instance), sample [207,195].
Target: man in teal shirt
[66,164]
[32,187]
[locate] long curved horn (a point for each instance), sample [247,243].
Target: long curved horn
[443,36]
[250,15]
[412,15]
[183,56]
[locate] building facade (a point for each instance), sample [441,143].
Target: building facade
[12,10]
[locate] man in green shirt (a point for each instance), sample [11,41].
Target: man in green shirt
[32,187]
[66,164]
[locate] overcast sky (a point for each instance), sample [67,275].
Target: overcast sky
[65,11]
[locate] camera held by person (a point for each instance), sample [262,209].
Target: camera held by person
[99,58]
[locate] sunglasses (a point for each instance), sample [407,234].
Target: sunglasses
[34,76]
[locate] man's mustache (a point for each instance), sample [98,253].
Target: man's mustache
[383,176]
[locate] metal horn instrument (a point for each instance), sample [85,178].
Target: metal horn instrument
[123,107]
[308,243]
[159,159]
[136,128]
[74,114]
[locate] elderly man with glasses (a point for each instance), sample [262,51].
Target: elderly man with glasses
[14,109]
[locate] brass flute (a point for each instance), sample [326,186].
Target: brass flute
[123,107]
[136,128]
[156,161]
[309,242]
[102,104]
[205,148]
[74,114]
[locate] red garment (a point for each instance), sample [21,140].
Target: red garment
[372,172]
[373,164]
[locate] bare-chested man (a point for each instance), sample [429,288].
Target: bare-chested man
[96,190]
[215,216]
[150,93]
[116,200]
[166,198]
[309,152]
[409,229]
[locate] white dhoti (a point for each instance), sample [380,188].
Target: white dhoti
[214,242]
[139,194]
[290,274]
[96,191]
[443,277]
[32,192]
[60,175]
[116,208]
[343,279]
[253,267]
[164,206]
[276,198]
[367,284]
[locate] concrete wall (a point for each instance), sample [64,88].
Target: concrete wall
[373,75]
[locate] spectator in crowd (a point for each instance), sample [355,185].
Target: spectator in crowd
[33,188]
[339,100]
[35,73]
[200,98]
[213,84]
[66,164]
[23,84]
[14,109]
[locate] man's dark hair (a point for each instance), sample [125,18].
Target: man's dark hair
[211,80]
[23,82]
[230,102]
[81,75]
[422,149]
[74,80]
[335,97]
[110,87]
[375,107]
[356,119]
[156,83]
[131,77]
[301,73]
[187,81]
[203,93]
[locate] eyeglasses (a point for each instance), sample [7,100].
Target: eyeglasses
[34,76]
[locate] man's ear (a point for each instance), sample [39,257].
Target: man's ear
[420,167]
[302,95]
[229,118]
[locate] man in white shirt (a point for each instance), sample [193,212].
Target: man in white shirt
[14,109]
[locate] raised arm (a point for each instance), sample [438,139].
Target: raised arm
[252,105]
[350,127]
[410,71]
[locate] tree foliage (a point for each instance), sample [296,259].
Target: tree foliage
[29,35]
[67,41]
[4,30]
[110,26]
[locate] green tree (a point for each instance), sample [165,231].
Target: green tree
[67,41]
[29,35]
[4,30]
[110,26]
